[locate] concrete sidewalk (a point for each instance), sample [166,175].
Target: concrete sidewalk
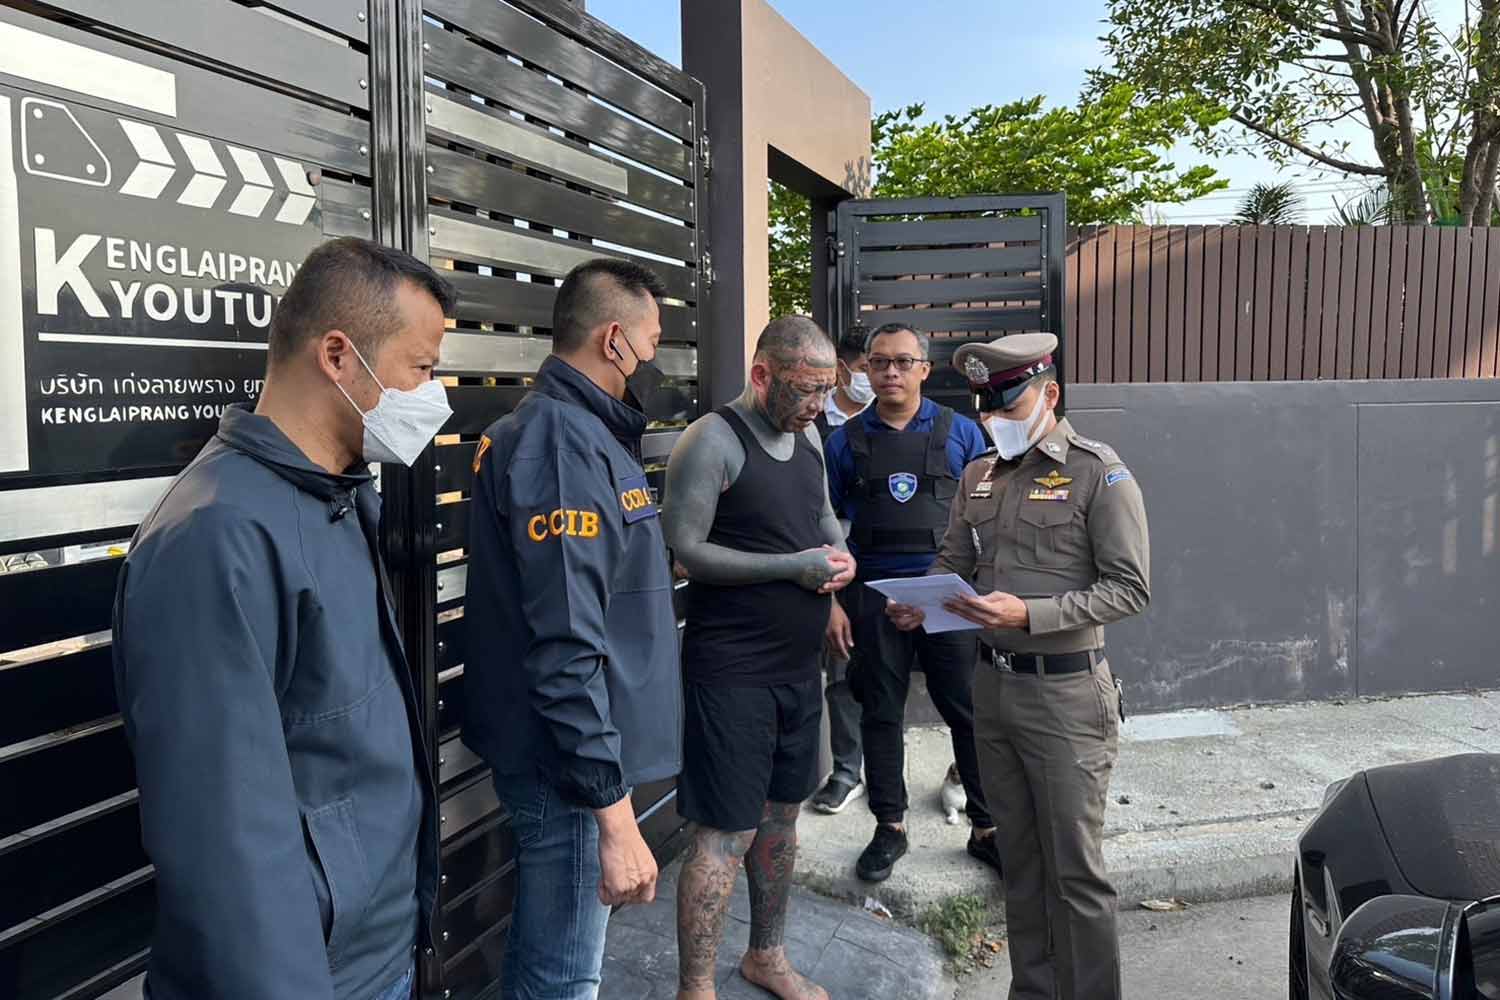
[1204,805]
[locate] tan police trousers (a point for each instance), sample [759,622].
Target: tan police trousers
[1047,747]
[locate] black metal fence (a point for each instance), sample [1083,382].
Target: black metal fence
[162,176]
[959,269]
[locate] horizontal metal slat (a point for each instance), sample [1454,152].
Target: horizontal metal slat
[468,180]
[473,972]
[941,352]
[346,209]
[452,582]
[467,352]
[466,122]
[942,232]
[475,407]
[944,291]
[456,760]
[229,34]
[339,18]
[956,320]
[454,59]
[988,261]
[106,933]
[459,235]
[474,915]
[467,806]
[29,517]
[43,872]
[479,855]
[452,525]
[45,605]
[450,652]
[484,298]
[97,761]
[263,119]
[504,26]
[455,467]
[43,696]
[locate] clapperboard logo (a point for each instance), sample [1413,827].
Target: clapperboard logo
[208,174]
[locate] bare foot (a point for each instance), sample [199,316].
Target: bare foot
[771,971]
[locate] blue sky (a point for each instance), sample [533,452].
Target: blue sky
[958,54]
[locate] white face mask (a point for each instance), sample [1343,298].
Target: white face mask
[1015,437]
[859,388]
[402,423]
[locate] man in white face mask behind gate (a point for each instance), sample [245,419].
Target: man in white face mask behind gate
[285,795]
[1051,531]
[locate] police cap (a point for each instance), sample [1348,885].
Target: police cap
[1000,370]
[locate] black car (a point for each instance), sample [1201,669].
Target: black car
[1397,888]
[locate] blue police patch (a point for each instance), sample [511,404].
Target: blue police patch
[903,486]
[636,500]
[1117,476]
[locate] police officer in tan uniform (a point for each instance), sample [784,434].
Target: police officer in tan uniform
[1051,531]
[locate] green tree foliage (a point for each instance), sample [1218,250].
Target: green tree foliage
[1108,154]
[1295,76]
[1270,205]
[791,252]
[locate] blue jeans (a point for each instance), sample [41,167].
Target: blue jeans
[557,928]
[400,990]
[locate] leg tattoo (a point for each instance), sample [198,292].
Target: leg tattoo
[769,865]
[773,855]
[703,888]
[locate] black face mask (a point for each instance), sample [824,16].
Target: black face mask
[643,387]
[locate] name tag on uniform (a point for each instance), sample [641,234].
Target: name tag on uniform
[636,500]
[982,490]
[1046,494]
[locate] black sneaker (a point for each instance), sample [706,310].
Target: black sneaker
[985,849]
[836,794]
[887,847]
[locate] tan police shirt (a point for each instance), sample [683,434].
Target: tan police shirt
[1063,528]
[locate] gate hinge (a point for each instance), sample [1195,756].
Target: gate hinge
[706,269]
[705,154]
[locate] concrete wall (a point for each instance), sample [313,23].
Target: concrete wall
[1309,539]
[772,96]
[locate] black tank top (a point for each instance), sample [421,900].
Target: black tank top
[761,633]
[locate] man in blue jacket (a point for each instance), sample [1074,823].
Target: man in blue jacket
[573,693]
[893,472]
[285,793]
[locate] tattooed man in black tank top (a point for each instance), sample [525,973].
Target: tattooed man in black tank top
[747,515]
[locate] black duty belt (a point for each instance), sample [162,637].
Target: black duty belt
[1051,664]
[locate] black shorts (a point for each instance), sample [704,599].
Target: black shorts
[745,746]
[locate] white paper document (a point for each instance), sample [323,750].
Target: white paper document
[929,593]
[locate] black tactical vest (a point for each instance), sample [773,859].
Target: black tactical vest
[905,487]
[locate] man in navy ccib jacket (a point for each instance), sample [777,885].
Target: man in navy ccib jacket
[572,686]
[285,793]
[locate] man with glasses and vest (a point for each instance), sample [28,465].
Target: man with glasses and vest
[1051,531]
[853,394]
[893,472]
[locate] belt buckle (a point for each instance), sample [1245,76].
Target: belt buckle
[1001,661]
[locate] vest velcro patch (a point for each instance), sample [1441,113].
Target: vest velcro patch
[903,486]
[635,499]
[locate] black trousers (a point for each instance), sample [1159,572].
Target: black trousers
[880,679]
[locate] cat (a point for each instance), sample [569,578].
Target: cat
[952,796]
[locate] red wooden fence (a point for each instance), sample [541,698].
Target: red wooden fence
[1242,303]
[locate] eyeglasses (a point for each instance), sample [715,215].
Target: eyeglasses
[879,363]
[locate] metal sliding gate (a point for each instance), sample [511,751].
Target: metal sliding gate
[959,269]
[162,175]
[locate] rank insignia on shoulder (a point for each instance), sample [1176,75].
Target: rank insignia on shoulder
[1054,447]
[1053,480]
[1117,476]
[1048,494]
